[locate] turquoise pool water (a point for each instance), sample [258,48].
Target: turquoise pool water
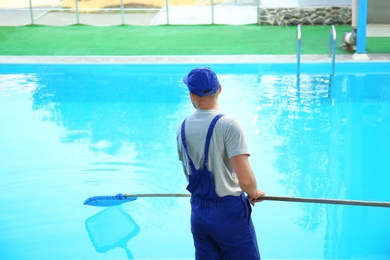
[69,132]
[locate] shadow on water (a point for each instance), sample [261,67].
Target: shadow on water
[111,228]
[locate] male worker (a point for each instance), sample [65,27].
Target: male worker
[214,155]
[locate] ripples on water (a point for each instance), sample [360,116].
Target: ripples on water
[71,132]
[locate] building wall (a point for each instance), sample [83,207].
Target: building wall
[378,12]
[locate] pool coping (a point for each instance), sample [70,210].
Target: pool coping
[191,59]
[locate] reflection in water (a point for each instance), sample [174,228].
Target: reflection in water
[332,146]
[17,83]
[109,111]
[119,116]
[298,118]
[111,228]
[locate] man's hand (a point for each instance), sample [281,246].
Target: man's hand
[253,200]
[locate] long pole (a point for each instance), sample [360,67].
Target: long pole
[107,201]
[283,199]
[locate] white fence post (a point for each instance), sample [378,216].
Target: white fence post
[123,13]
[31,14]
[167,11]
[212,12]
[77,12]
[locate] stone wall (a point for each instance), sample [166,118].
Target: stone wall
[306,16]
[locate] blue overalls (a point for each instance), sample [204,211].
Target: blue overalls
[221,226]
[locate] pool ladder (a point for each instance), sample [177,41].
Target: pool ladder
[332,52]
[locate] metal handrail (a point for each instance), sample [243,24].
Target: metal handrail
[332,49]
[299,40]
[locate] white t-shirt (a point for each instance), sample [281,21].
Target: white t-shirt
[227,141]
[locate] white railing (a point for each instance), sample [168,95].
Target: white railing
[254,4]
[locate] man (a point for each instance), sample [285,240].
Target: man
[214,155]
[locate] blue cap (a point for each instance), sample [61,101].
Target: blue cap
[202,81]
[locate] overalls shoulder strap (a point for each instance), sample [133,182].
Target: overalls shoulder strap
[208,138]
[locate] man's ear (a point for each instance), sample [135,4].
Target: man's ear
[193,97]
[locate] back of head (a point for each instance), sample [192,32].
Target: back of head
[202,81]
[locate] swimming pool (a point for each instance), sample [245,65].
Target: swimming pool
[69,132]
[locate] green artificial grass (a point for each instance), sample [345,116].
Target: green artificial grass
[172,40]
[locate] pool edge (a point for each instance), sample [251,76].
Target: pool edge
[190,59]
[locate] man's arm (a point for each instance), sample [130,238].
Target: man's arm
[246,178]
